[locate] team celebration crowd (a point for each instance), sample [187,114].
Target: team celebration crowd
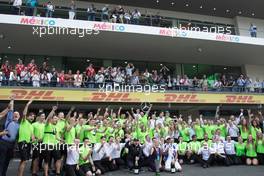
[45,75]
[96,143]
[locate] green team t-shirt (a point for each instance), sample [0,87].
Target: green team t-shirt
[244,133]
[194,146]
[84,151]
[70,135]
[50,134]
[250,150]
[90,134]
[182,147]
[185,134]
[209,129]
[60,128]
[260,146]
[240,149]
[223,131]
[199,131]
[25,131]
[253,131]
[38,130]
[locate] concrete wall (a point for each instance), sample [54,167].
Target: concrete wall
[254,71]
[243,24]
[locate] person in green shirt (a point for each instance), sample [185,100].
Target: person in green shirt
[25,137]
[206,140]
[240,148]
[193,149]
[182,148]
[251,153]
[50,143]
[260,147]
[38,131]
[254,129]
[86,164]
[244,129]
[199,131]
[184,133]
[70,131]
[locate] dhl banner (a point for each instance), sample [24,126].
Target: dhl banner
[132,97]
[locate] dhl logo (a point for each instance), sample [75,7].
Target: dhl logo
[239,99]
[183,98]
[34,94]
[120,97]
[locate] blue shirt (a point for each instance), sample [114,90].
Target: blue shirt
[12,127]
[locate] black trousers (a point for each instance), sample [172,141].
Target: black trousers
[261,158]
[6,154]
[231,159]
[220,160]
[71,170]
[207,162]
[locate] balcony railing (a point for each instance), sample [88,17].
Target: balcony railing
[148,20]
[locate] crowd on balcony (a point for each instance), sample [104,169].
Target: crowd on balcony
[107,14]
[45,75]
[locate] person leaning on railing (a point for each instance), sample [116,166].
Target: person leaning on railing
[16,7]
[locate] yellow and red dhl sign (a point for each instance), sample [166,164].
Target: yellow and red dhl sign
[132,97]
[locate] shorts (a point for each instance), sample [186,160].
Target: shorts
[85,168]
[50,151]
[24,150]
[36,150]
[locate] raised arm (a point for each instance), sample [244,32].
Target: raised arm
[119,112]
[25,112]
[69,113]
[147,113]
[217,112]
[51,114]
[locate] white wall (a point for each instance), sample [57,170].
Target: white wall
[243,24]
[254,71]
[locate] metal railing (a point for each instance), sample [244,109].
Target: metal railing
[91,85]
[148,20]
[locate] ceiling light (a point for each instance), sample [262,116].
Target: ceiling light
[201,7]
[214,9]
[161,64]
[125,62]
[227,11]
[239,12]
[2,36]
[194,66]
[225,68]
[157,1]
[187,5]
[9,47]
[253,14]
[172,3]
[87,60]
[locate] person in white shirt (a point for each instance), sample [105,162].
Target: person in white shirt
[205,155]
[72,160]
[13,78]
[16,6]
[232,130]
[35,79]
[218,150]
[116,153]
[147,146]
[78,79]
[170,155]
[230,151]
[99,153]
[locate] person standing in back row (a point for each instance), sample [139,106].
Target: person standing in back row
[7,141]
